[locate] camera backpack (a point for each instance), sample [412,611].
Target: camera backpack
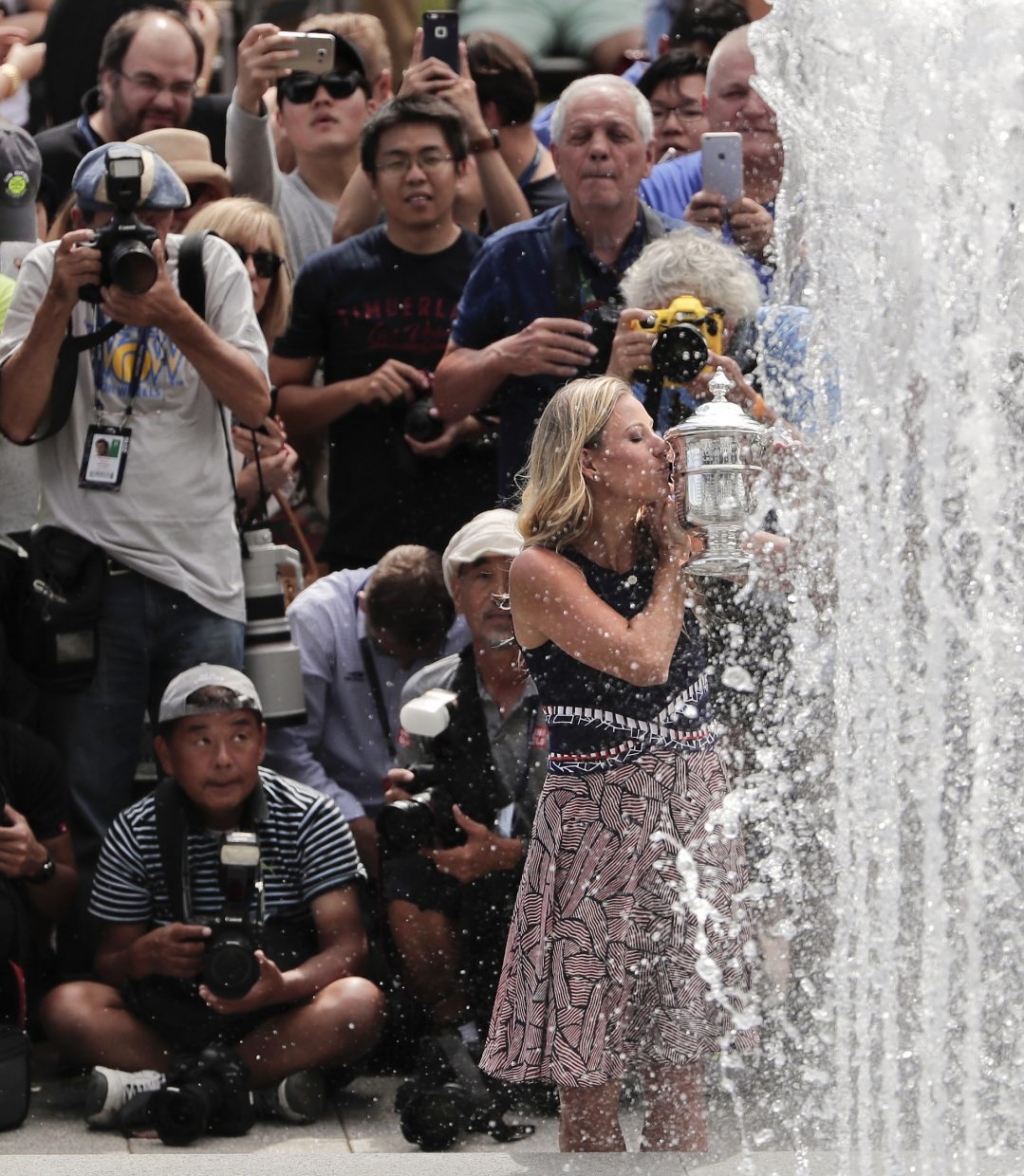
[15,1053]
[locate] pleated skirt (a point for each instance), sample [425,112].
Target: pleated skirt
[631,938]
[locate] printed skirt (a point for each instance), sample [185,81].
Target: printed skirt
[631,939]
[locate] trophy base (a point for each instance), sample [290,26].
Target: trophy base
[727,567]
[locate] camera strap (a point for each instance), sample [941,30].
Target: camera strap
[373,678]
[572,289]
[172,821]
[192,287]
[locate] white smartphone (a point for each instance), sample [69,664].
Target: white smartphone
[722,164]
[316,53]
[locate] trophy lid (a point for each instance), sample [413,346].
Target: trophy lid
[718,415]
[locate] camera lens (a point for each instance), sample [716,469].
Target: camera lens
[230,967]
[419,424]
[132,267]
[679,354]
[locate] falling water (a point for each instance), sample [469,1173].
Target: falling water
[897,852]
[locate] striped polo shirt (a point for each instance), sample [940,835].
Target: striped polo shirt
[306,849]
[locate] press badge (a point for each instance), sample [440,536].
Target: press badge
[106,455]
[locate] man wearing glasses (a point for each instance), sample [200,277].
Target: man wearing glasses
[378,308]
[148,67]
[322,117]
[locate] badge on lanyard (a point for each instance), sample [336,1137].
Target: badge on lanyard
[105,457]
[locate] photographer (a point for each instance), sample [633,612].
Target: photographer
[160,377]
[37,867]
[449,901]
[159,976]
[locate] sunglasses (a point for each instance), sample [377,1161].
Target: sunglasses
[302,87]
[265,263]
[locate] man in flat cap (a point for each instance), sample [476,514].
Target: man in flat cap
[449,897]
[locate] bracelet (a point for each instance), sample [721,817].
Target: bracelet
[14,74]
[45,872]
[491,142]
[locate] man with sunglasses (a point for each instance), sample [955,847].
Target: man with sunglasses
[322,117]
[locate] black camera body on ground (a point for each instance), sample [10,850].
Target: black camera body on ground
[450,1095]
[209,1093]
[230,967]
[422,821]
[125,244]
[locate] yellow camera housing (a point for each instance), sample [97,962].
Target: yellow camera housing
[688,309]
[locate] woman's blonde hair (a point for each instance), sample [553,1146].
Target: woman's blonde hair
[239,219]
[556,506]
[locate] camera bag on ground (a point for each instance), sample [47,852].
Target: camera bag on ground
[15,1054]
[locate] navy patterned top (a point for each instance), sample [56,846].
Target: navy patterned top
[595,718]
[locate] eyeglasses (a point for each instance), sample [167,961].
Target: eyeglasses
[400,164]
[683,113]
[301,88]
[152,85]
[265,263]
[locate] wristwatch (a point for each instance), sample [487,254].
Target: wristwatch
[490,142]
[45,872]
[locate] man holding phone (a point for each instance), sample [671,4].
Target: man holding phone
[321,111]
[732,105]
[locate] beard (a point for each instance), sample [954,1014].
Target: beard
[126,122]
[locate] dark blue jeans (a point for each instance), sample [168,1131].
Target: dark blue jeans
[148,634]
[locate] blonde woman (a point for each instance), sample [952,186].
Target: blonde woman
[627,946]
[256,234]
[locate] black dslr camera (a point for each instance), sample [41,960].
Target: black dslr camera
[688,333]
[125,244]
[230,967]
[205,1094]
[423,820]
[449,1095]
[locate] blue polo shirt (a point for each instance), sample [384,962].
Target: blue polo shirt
[672,185]
[511,284]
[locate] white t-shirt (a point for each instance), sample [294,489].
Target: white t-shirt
[173,518]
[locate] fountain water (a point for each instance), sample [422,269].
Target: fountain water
[903,723]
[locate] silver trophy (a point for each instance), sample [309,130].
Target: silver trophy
[719,451]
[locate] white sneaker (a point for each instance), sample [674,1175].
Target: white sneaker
[109,1090]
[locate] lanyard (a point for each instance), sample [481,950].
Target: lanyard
[137,365]
[531,167]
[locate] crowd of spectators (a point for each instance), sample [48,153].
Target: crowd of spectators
[398,268]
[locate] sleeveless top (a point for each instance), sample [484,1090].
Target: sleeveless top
[594,718]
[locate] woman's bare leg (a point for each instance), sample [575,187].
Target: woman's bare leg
[589,1119]
[676,1114]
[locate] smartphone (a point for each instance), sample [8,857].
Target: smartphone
[441,37]
[316,52]
[722,164]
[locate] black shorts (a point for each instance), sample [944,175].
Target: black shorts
[414,878]
[179,1014]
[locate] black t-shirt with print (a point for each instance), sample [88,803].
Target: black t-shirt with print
[358,304]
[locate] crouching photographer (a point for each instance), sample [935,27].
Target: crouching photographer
[452,836]
[231,939]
